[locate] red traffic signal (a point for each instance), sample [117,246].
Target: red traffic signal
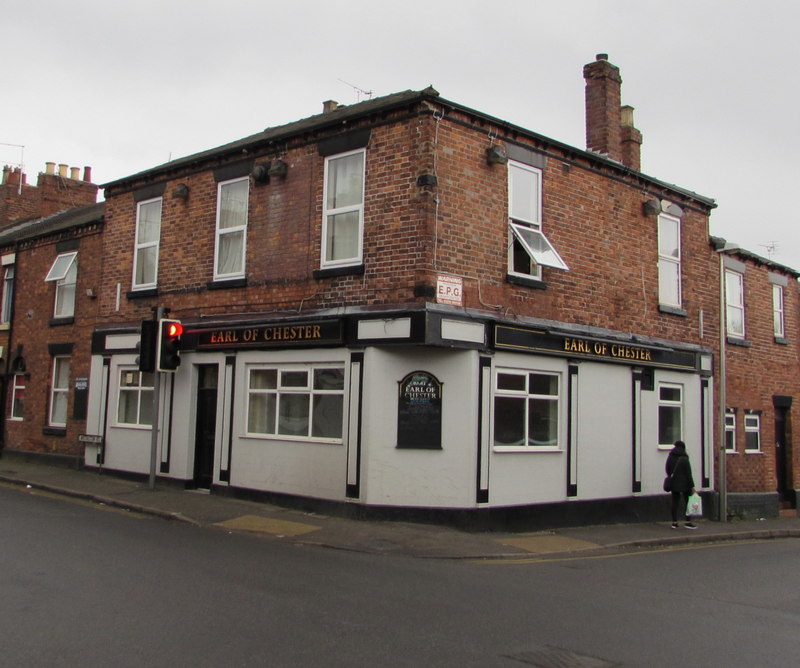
[169,344]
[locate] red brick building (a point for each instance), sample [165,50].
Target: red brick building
[761,367]
[50,250]
[406,303]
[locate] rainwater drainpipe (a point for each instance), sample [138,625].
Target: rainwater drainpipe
[723,382]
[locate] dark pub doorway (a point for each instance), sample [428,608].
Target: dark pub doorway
[206,425]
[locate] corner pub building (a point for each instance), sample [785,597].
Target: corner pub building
[408,306]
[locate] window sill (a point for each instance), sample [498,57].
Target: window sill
[734,341]
[4,326]
[225,284]
[526,449]
[142,294]
[534,283]
[754,452]
[57,322]
[778,339]
[672,310]
[54,431]
[331,272]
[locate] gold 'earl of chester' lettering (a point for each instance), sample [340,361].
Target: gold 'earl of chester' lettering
[615,350]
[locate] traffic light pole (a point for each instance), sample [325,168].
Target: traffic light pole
[160,312]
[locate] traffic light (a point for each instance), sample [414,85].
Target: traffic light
[146,347]
[169,344]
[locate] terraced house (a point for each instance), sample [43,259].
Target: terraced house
[408,304]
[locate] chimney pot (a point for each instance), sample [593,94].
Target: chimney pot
[87,174]
[329,105]
[62,170]
[49,168]
[601,56]
[74,173]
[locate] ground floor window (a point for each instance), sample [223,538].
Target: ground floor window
[59,392]
[135,402]
[305,402]
[730,432]
[752,433]
[670,414]
[526,409]
[16,397]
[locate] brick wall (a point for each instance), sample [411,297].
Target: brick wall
[759,371]
[32,333]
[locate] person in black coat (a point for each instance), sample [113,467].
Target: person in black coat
[679,469]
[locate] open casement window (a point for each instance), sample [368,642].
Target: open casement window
[59,392]
[231,244]
[669,260]
[343,214]
[64,273]
[529,248]
[734,301]
[148,234]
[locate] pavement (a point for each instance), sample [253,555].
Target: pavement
[374,537]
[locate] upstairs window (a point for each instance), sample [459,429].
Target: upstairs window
[148,235]
[734,301]
[231,241]
[669,260]
[64,273]
[777,311]
[343,209]
[529,249]
[8,295]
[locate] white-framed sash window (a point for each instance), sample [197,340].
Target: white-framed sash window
[148,236]
[231,235]
[343,209]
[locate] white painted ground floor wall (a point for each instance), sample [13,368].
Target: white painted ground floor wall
[606,445]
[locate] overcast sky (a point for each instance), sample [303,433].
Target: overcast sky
[123,86]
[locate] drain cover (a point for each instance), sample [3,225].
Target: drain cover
[558,657]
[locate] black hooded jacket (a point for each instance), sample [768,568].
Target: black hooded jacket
[680,469]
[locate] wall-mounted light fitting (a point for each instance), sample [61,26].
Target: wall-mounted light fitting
[652,207]
[260,173]
[496,155]
[181,191]
[278,168]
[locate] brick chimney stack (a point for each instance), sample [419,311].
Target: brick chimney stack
[55,190]
[603,128]
[609,126]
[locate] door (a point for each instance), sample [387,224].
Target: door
[206,425]
[783,461]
